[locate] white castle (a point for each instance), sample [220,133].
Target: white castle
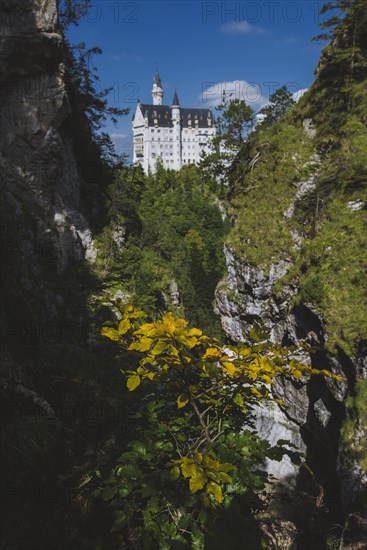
[173,135]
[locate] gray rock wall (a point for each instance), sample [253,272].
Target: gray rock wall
[42,216]
[314,409]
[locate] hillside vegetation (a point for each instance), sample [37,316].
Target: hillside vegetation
[299,189]
[170,251]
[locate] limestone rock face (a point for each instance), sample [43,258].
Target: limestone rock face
[314,409]
[246,297]
[39,178]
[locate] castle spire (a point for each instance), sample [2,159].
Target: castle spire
[157,78]
[175,99]
[157,91]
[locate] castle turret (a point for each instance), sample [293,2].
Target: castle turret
[157,90]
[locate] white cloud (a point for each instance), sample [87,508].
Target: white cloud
[241,27]
[212,94]
[297,95]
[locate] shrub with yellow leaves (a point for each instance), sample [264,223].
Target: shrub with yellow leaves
[197,452]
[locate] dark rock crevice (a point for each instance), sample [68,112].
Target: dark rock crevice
[315,409]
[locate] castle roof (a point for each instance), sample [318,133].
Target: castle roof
[175,99]
[157,79]
[163,115]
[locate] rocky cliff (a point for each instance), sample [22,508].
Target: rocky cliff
[315,409]
[296,264]
[43,226]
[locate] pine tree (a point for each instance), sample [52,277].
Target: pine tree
[280,102]
[344,60]
[71,11]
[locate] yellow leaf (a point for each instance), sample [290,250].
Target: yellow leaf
[265,378]
[124,326]
[212,353]
[181,322]
[213,475]
[145,329]
[211,463]
[137,313]
[175,473]
[296,374]
[145,344]
[133,382]
[195,332]
[216,490]
[110,333]
[188,469]
[198,457]
[141,345]
[193,342]
[229,368]
[182,400]
[224,478]
[134,346]
[160,346]
[266,364]
[256,392]
[197,482]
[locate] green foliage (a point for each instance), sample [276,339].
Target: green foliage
[342,65]
[193,457]
[174,232]
[355,425]
[316,227]
[235,122]
[232,127]
[280,102]
[264,188]
[333,266]
[93,148]
[71,11]
[91,101]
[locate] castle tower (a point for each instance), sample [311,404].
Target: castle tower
[157,90]
[176,122]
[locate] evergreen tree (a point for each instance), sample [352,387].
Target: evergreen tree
[280,102]
[236,120]
[70,11]
[344,60]
[232,126]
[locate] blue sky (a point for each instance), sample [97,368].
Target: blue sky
[249,48]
